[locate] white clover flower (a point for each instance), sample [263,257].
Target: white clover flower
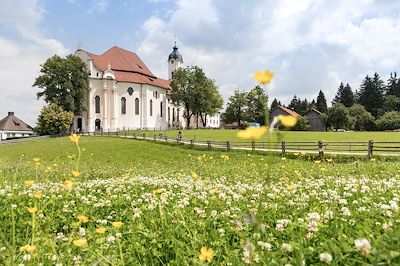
[264,245]
[345,211]
[27,257]
[287,247]
[82,231]
[325,257]
[363,245]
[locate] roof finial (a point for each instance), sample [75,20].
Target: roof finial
[79,44]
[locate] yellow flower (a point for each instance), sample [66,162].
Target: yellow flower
[29,182]
[100,230]
[252,133]
[287,120]
[159,191]
[263,77]
[28,248]
[317,162]
[68,184]
[194,175]
[32,209]
[37,195]
[75,173]
[36,159]
[206,254]
[74,138]
[83,219]
[80,243]
[291,187]
[117,224]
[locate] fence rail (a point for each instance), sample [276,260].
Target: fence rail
[367,148]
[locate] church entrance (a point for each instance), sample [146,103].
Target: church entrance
[79,127]
[97,124]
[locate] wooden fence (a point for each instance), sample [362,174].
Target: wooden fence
[367,148]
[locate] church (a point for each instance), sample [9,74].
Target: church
[124,94]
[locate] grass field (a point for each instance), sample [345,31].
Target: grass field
[140,203]
[230,135]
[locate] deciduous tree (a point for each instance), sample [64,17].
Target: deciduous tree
[53,120]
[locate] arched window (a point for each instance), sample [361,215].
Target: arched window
[177,115]
[151,107]
[169,114]
[97,104]
[130,91]
[123,106]
[173,114]
[97,124]
[161,110]
[136,106]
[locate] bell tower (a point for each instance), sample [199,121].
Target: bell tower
[175,61]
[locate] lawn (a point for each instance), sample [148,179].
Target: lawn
[134,202]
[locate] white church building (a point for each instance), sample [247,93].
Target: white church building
[124,94]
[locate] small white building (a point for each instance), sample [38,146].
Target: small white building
[13,127]
[124,94]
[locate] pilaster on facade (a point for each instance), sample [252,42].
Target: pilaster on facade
[114,109]
[105,108]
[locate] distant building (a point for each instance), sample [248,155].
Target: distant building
[314,119]
[13,127]
[280,110]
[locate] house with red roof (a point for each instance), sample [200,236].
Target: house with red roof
[12,127]
[280,110]
[124,94]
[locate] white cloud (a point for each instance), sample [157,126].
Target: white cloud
[98,6]
[310,44]
[21,54]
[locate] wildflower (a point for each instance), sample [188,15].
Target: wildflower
[83,219]
[37,195]
[206,254]
[291,187]
[363,246]
[80,242]
[68,184]
[252,133]
[159,191]
[29,182]
[28,248]
[36,159]
[287,247]
[75,173]
[100,230]
[285,120]
[263,77]
[194,175]
[249,254]
[74,138]
[325,257]
[264,245]
[117,224]
[32,209]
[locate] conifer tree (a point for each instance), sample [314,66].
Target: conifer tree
[274,104]
[321,104]
[370,94]
[344,95]
[393,85]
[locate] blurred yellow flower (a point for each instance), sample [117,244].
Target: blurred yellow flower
[263,77]
[37,195]
[194,175]
[36,159]
[287,120]
[291,187]
[68,184]
[100,230]
[83,218]
[32,209]
[159,191]
[206,254]
[28,248]
[29,182]
[80,243]
[117,224]
[74,138]
[252,133]
[75,173]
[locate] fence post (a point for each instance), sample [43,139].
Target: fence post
[370,148]
[228,146]
[144,136]
[192,143]
[126,134]
[134,135]
[253,145]
[155,136]
[320,148]
[283,145]
[209,144]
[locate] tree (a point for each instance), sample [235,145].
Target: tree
[321,104]
[389,121]
[274,104]
[236,108]
[195,92]
[257,101]
[64,82]
[393,85]
[391,103]
[370,94]
[295,104]
[302,123]
[53,120]
[344,95]
[338,116]
[361,119]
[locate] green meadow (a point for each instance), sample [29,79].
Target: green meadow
[133,202]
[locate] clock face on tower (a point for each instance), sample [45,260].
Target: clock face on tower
[172,61]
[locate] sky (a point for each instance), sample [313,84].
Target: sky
[310,45]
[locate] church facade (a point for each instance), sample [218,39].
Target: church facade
[124,94]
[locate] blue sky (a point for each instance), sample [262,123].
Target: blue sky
[308,44]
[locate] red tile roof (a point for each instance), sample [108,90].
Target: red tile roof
[128,67]
[13,123]
[289,111]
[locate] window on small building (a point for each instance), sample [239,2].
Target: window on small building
[161,110]
[151,107]
[136,106]
[97,104]
[123,106]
